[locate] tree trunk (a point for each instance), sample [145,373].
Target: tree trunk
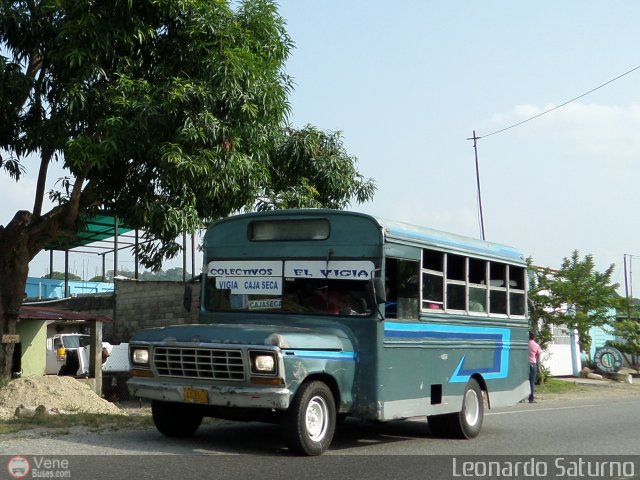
[14,268]
[21,240]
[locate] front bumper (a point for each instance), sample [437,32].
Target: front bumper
[240,396]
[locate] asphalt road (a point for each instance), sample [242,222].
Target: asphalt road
[602,426]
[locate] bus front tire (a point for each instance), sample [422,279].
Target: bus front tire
[466,423]
[176,420]
[309,424]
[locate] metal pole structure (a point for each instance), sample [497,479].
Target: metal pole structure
[626,287]
[184,257]
[193,255]
[104,267]
[631,276]
[66,273]
[115,248]
[50,263]
[574,351]
[136,256]
[626,278]
[475,149]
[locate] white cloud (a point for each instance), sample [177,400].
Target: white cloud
[597,133]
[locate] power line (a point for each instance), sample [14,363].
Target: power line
[562,105]
[475,138]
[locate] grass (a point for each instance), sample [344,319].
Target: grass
[60,424]
[553,385]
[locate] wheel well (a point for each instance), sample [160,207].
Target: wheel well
[483,386]
[330,382]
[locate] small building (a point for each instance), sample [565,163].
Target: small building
[37,322]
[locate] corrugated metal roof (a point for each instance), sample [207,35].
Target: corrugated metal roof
[95,229]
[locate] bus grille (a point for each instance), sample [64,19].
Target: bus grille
[216,364]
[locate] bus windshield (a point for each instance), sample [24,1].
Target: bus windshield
[343,288]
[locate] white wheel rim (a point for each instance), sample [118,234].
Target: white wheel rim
[471,407]
[316,418]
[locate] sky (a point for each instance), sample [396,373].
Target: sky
[408,82]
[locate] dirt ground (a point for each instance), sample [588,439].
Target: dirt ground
[585,388]
[64,394]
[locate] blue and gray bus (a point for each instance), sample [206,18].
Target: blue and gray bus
[311,316]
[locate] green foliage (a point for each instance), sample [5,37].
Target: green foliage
[309,168]
[60,276]
[627,327]
[540,308]
[553,385]
[629,331]
[168,114]
[577,296]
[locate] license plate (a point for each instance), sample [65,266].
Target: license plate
[195,395]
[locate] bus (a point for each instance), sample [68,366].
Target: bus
[311,316]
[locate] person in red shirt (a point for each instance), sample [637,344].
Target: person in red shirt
[534,362]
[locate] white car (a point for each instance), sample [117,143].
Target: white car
[75,359]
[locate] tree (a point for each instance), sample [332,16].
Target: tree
[581,297]
[541,310]
[310,168]
[60,276]
[627,330]
[161,112]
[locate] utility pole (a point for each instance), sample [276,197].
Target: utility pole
[475,149]
[631,277]
[626,277]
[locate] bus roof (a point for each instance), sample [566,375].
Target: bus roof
[404,231]
[401,231]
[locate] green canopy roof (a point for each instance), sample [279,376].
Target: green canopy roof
[95,229]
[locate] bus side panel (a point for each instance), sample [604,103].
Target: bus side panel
[300,366]
[425,365]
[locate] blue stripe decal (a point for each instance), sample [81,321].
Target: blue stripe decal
[320,354]
[499,337]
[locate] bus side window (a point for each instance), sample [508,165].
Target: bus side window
[432,279]
[477,285]
[456,282]
[403,288]
[391,288]
[516,290]
[497,288]
[408,289]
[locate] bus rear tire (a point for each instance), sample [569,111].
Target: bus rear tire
[175,420]
[466,423]
[309,424]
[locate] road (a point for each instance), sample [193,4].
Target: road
[591,426]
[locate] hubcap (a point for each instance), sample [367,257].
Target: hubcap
[317,418]
[471,407]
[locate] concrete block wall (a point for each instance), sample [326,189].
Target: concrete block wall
[140,304]
[136,305]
